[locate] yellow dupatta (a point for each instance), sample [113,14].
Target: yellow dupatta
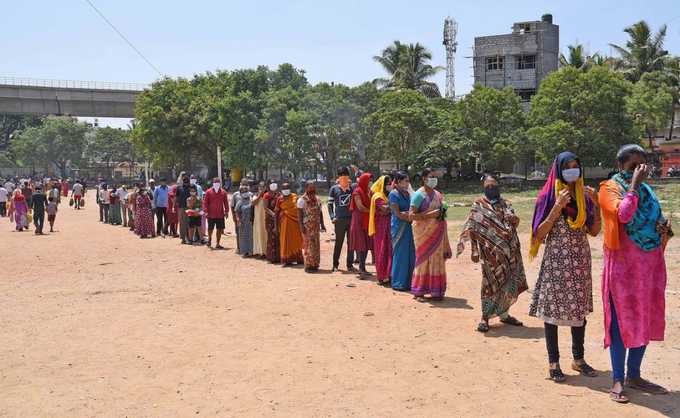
[581,216]
[377,193]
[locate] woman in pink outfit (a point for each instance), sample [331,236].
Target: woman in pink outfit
[634,276]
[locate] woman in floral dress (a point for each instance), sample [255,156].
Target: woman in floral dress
[566,212]
[143,218]
[311,223]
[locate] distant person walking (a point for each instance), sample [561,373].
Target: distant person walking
[39,205]
[143,214]
[290,237]
[216,209]
[160,198]
[270,198]
[19,210]
[4,194]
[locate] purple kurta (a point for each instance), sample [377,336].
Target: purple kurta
[636,281]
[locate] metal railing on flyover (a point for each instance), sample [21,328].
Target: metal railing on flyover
[71,84]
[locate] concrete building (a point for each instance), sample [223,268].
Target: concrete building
[520,59]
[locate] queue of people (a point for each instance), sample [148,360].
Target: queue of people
[406,231]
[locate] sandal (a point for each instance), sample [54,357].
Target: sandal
[584,369]
[511,320]
[618,397]
[557,376]
[483,327]
[420,299]
[644,385]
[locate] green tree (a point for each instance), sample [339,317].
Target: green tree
[109,145]
[403,124]
[447,147]
[408,68]
[584,112]
[59,140]
[492,127]
[651,104]
[11,125]
[643,52]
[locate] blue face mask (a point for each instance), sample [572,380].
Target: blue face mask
[571,175]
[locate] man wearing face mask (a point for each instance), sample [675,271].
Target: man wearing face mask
[216,208]
[160,200]
[339,199]
[235,198]
[182,194]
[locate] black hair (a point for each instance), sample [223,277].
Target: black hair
[627,151]
[388,181]
[399,176]
[426,172]
[343,171]
[487,176]
[193,187]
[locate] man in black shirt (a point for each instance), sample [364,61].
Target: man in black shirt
[339,198]
[181,195]
[39,204]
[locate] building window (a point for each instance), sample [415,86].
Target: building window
[525,94]
[524,28]
[526,62]
[494,63]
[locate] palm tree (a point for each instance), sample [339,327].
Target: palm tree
[577,58]
[643,52]
[408,67]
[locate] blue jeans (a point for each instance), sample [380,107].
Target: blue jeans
[617,351]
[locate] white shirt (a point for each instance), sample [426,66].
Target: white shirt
[122,194]
[104,197]
[3,194]
[77,189]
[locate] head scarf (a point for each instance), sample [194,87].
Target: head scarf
[362,191]
[378,190]
[642,228]
[578,215]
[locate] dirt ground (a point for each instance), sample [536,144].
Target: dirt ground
[96,322]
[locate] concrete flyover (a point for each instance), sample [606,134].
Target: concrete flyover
[66,97]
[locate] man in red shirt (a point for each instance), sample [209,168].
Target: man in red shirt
[216,208]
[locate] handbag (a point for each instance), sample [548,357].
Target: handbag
[70,202]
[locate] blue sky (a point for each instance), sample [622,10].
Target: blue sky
[331,40]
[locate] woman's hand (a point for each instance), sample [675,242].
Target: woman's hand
[639,176]
[563,199]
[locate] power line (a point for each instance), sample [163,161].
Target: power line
[123,37]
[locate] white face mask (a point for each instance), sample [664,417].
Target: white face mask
[286,192]
[570,175]
[192,181]
[216,187]
[273,187]
[432,182]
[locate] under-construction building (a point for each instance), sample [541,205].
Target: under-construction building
[520,59]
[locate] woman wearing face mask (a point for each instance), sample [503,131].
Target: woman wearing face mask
[244,212]
[634,276]
[491,230]
[143,218]
[358,230]
[431,240]
[290,236]
[259,222]
[193,213]
[401,234]
[566,212]
[269,201]
[379,228]
[311,224]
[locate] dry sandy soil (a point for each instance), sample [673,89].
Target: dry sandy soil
[96,322]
